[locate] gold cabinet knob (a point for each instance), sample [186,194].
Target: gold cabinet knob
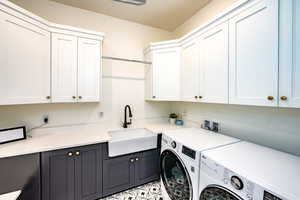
[131,160]
[137,159]
[80,97]
[283,98]
[270,98]
[77,153]
[70,154]
[74,97]
[154,97]
[200,97]
[48,97]
[196,97]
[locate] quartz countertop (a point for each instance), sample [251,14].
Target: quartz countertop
[48,139]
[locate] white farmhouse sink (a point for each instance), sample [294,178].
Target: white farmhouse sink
[131,141]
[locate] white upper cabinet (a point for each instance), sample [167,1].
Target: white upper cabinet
[190,71]
[289,65]
[64,68]
[24,61]
[89,70]
[214,65]
[166,74]
[39,60]
[162,77]
[148,78]
[253,55]
[76,69]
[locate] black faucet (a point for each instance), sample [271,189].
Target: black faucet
[125,124]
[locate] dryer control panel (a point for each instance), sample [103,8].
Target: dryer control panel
[269,196]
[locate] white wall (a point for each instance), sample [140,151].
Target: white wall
[123,39]
[278,128]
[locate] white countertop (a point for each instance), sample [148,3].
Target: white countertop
[48,139]
[200,139]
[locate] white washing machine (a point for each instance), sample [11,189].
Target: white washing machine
[246,171]
[180,160]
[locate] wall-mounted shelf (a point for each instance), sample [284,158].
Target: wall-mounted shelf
[126,60]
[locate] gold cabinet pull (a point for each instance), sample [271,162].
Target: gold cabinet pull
[80,97]
[77,153]
[136,159]
[70,154]
[48,97]
[283,98]
[200,97]
[270,98]
[154,97]
[196,97]
[132,160]
[74,97]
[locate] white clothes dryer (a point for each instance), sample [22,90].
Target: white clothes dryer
[180,160]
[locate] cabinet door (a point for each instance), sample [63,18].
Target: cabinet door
[253,55]
[118,174]
[147,167]
[88,165]
[64,68]
[289,66]
[214,65]
[190,71]
[58,175]
[89,70]
[166,77]
[24,61]
[148,78]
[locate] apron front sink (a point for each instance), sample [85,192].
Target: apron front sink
[131,141]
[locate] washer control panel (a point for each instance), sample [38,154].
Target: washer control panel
[189,152]
[227,178]
[174,144]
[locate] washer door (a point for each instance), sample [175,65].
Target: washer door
[175,177]
[217,192]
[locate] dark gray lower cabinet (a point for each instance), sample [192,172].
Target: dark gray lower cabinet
[21,173]
[118,174]
[147,167]
[72,174]
[124,172]
[89,173]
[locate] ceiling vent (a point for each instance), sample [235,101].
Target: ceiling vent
[133,2]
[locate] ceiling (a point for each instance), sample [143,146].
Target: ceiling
[164,14]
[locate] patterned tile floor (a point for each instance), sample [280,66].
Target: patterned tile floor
[150,191]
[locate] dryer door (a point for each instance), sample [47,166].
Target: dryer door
[217,192]
[175,177]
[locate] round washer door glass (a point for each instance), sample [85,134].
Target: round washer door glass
[218,193]
[175,177]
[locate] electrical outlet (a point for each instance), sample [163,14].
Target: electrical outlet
[100,114]
[46,119]
[184,113]
[215,127]
[206,125]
